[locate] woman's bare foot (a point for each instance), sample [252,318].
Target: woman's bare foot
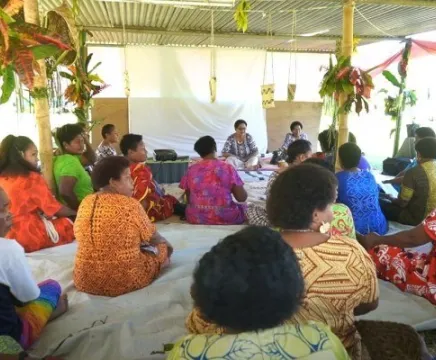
[61,308]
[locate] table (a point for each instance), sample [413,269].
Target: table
[168,172]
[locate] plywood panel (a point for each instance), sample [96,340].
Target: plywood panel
[280,118]
[110,111]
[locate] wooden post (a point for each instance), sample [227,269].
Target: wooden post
[42,109]
[347,50]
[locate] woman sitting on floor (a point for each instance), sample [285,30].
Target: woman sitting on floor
[39,221]
[337,288]
[72,180]
[25,307]
[396,259]
[248,285]
[148,192]
[119,249]
[240,149]
[418,195]
[359,191]
[295,134]
[209,185]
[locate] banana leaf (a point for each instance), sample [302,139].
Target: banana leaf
[391,78]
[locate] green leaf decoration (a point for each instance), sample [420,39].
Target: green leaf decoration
[3,15]
[391,78]
[44,51]
[66,75]
[241,15]
[8,86]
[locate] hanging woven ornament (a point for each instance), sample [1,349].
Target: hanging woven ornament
[292,86]
[126,83]
[268,90]
[212,79]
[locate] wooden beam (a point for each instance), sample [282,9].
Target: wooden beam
[284,37]
[347,50]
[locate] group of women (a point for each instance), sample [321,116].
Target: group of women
[307,303]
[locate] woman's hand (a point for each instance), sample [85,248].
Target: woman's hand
[369,241]
[159,239]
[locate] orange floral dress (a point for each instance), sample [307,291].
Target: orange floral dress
[110,231]
[30,197]
[159,206]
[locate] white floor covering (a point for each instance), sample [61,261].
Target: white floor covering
[132,326]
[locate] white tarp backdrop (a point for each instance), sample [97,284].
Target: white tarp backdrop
[169,99]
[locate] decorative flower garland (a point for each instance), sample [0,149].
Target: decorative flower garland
[342,79]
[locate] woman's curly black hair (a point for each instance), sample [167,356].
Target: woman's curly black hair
[204,146]
[67,133]
[108,168]
[12,162]
[297,193]
[297,148]
[249,281]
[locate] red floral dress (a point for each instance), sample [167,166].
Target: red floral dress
[409,270]
[29,198]
[159,207]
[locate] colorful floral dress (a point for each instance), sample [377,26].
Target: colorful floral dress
[159,206]
[30,199]
[410,271]
[210,184]
[308,341]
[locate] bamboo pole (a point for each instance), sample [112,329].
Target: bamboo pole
[347,50]
[42,110]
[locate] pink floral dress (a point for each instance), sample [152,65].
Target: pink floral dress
[209,183]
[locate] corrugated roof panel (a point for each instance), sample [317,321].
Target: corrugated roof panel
[312,16]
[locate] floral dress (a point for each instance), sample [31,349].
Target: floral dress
[159,206]
[210,184]
[411,271]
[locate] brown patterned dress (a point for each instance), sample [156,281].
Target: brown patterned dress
[339,276]
[110,229]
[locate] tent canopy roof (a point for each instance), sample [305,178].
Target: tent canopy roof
[375,20]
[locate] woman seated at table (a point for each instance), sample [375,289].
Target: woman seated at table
[146,190]
[399,260]
[418,196]
[254,308]
[39,221]
[240,149]
[295,134]
[72,180]
[297,152]
[209,186]
[359,191]
[25,307]
[119,249]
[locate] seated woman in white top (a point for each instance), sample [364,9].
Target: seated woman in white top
[25,307]
[240,149]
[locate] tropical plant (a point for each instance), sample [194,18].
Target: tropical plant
[395,105]
[85,84]
[345,79]
[241,15]
[21,46]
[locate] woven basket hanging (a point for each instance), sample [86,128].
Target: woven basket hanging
[268,90]
[212,79]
